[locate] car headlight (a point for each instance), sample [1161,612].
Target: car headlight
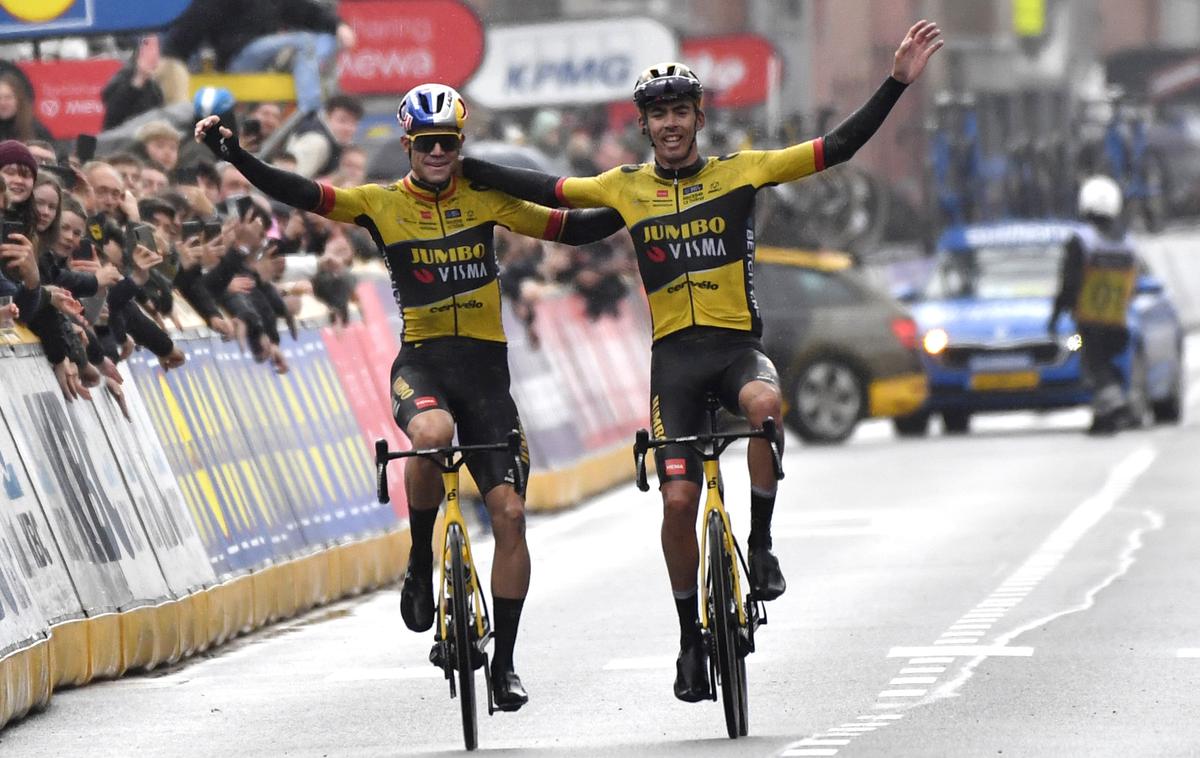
[935,341]
[1073,343]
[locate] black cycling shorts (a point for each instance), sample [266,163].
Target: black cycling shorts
[683,370]
[468,379]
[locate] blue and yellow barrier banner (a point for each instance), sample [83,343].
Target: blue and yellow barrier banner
[327,452]
[191,400]
[168,526]
[182,452]
[28,19]
[30,541]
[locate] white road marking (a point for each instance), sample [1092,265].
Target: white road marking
[642,663]
[903,693]
[657,662]
[961,650]
[386,674]
[807,751]
[1188,652]
[813,742]
[825,531]
[931,660]
[913,680]
[1054,549]
[922,670]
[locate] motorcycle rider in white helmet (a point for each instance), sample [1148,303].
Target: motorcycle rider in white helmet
[1097,280]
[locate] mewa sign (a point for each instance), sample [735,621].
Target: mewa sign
[571,62]
[26,19]
[402,43]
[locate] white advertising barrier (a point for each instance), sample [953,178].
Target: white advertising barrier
[568,63]
[115,573]
[39,426]
[28,533]
[24,639]
[1174,256]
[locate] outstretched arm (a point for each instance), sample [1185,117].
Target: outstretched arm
[921,42]
[284,186]
[590,225]
[524,183]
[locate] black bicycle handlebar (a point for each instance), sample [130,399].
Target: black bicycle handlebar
[443,457]
[643,442]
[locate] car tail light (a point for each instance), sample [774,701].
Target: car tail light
[905,330]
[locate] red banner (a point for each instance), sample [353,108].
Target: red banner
[402,43]
[732,67]
[67,94]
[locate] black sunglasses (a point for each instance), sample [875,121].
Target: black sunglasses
[423,143]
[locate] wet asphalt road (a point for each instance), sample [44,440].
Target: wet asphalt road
[1021,591]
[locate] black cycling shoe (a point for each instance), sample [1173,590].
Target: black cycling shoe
[1104,426]
[507,691]
[439,650]
[766,578]
[691,672]
[416,600]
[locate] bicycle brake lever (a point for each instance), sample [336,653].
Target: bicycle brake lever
[772,436]
[641,443]
[381,478]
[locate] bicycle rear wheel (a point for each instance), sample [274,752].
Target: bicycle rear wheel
[723,624]
[463,634]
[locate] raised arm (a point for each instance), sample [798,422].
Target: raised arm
[922,41]
[284,186]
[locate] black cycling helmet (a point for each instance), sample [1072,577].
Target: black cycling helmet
[664,82]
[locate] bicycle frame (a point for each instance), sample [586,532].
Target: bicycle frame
[710,447]
[454,515]
[450,460]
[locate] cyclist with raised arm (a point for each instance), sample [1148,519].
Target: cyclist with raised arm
[691,219]
[435,234]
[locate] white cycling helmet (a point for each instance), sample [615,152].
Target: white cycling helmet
[1100,196]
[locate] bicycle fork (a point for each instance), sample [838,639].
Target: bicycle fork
[713,502]
[454,515]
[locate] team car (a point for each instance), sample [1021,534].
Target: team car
[982,322]
[845,349]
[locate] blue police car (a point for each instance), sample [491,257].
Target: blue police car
[981,317]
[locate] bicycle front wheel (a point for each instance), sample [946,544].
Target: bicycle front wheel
[723,625]
[463,629]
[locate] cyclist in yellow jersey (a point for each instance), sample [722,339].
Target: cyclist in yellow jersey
[691,219]
[434,231]
[1096,286]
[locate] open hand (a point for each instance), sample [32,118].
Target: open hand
[921,42]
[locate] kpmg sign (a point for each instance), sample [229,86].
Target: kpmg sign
[569,63]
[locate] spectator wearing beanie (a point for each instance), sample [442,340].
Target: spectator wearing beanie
[158,141]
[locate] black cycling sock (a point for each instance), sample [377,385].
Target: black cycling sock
[688,608]
[762,506]
[506,614]
[420,524]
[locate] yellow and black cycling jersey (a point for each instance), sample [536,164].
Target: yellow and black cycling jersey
[439,250]
[694,230]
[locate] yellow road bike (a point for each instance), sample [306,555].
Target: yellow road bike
[728,618]
[463,629]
